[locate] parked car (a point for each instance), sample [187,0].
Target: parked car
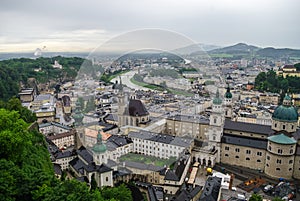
[268,188]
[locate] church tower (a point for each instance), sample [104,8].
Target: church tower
[216,122]
[99,151]
[121,106]
[228,103]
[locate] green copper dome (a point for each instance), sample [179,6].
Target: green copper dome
[217,100]
[282,139]
[99,147]
[286,112]
[228,94]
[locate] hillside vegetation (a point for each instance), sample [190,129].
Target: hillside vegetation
[26,170]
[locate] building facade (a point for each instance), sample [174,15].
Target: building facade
[273,149]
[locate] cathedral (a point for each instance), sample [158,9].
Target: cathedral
[274,149]
[131,111]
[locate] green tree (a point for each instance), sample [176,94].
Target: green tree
[15,104]
[255,197]
[260,78]
[26,172]
[69,190]
[120,193]
[10,179]
[14,136]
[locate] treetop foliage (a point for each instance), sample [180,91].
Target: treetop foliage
[26,170]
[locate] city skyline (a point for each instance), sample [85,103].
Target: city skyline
[81,27]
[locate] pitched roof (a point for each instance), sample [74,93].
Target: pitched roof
[161,138]
[137,108]
[64,154]
[190,118]
[103,168]
[244,141]
[80,166]
[248,127]
[54,124]
[211,189]
[85,154]
[61,135]
[119,140]
[57,169]
[176,174]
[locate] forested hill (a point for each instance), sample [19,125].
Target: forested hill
[26,172]
[14,72]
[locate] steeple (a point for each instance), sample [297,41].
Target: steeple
[99,147]
[121,85]
[228,93]
[217,100]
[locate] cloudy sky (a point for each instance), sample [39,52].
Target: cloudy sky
[81,25]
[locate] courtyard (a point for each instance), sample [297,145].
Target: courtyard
[148,160]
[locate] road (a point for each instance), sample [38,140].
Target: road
[126,81]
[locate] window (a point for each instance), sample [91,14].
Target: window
[237,157]
[267,165]
[247,159]
[227,148]
[291,161]
[275,125]
[280,151]
[283,127]
[291,151]
[237,150]
[270,148]
[278,161]
[248,151]
[226,155]
[258,161]
[277,169]
[215,120]
[106,179]
[292,126]
[214,138]
[290,169]
[259,153]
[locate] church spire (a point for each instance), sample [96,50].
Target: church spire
[217,100]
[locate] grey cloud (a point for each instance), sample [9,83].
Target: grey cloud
[216,21]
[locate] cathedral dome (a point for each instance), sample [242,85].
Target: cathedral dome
[286,112]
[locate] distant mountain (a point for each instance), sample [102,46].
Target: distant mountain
[244,50]
[195,48]
[240,48]
[272,52]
